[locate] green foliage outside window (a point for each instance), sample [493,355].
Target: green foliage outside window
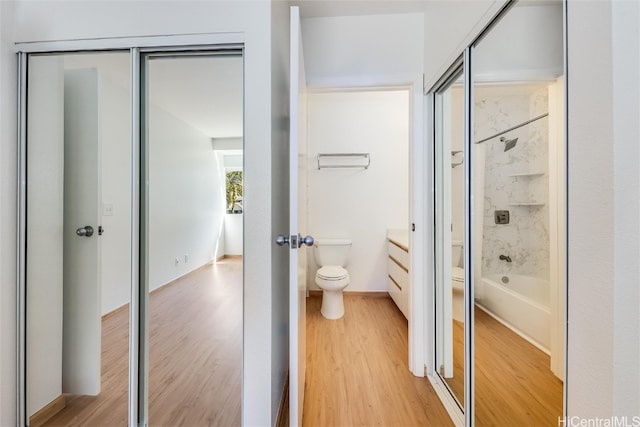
[234,192]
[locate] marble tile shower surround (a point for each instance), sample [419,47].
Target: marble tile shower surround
[526,238]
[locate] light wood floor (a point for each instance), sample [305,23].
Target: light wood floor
[195,356]
[514,385]
[357,372]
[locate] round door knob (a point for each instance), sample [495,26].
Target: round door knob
[305,240]
[86,231]
[282,240]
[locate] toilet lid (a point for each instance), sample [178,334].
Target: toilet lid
[332,272]
[457,273]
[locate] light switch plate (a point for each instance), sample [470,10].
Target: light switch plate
[107,209]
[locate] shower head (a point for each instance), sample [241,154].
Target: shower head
[509,143]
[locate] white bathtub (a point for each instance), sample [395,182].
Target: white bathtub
[522,305]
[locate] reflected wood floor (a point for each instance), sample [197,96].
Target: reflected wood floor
[514,385]
[357,372]
[195,356]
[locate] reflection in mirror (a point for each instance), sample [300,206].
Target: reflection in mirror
[450,237]
[194,139]
[78,248]
[518,234]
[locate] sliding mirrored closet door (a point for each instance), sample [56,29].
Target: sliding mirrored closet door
[77,259]
[192,127]
[450,208]
[501,198]
[517,182]
[116,169]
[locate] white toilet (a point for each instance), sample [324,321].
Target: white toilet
[332,277]
[457,280]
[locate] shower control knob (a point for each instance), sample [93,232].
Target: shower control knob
[305,240]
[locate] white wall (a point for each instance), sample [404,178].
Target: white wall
[603,207]
[359,204]
[8,209]
[233,234]
[518,49]
[626,90]
[96,19]
[185,207]
[363,49]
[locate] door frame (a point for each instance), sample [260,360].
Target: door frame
[136,47]
[419,199]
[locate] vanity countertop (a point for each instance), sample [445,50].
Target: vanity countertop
[399,236]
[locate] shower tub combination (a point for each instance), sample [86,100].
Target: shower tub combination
[519,302]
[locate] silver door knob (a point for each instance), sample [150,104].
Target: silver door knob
[86,231]
[282,240]
[304,240]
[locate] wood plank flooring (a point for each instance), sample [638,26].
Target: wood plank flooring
[514,385]
[195,356]
[357,372]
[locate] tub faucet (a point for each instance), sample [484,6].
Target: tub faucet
[505,258]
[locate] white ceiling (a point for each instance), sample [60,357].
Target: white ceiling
[205,92]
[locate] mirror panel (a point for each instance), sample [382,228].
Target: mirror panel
[518,204]
[78,245]
[449,147]
[193,123]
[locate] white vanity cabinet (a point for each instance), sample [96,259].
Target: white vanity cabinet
[398,268]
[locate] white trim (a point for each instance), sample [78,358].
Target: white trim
[21,241]
[418,248]
[447,399]
[165,42]
[134,309]
[469,322]
[363,83]
[418,301]
[430,236]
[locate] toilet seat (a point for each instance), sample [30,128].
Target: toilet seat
[332,272]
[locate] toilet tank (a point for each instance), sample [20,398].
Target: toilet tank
[332,251]
[457,254]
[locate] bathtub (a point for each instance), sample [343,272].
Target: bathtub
[522,305]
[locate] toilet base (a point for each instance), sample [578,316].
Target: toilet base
[457,303]
[332,304]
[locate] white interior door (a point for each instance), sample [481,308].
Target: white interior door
[297,224]
[82,198]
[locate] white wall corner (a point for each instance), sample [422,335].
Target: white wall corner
[626,134]
[591,352]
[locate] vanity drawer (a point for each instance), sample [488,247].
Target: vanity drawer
[396,252]
[397,273]
[394,292]
[405,259]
